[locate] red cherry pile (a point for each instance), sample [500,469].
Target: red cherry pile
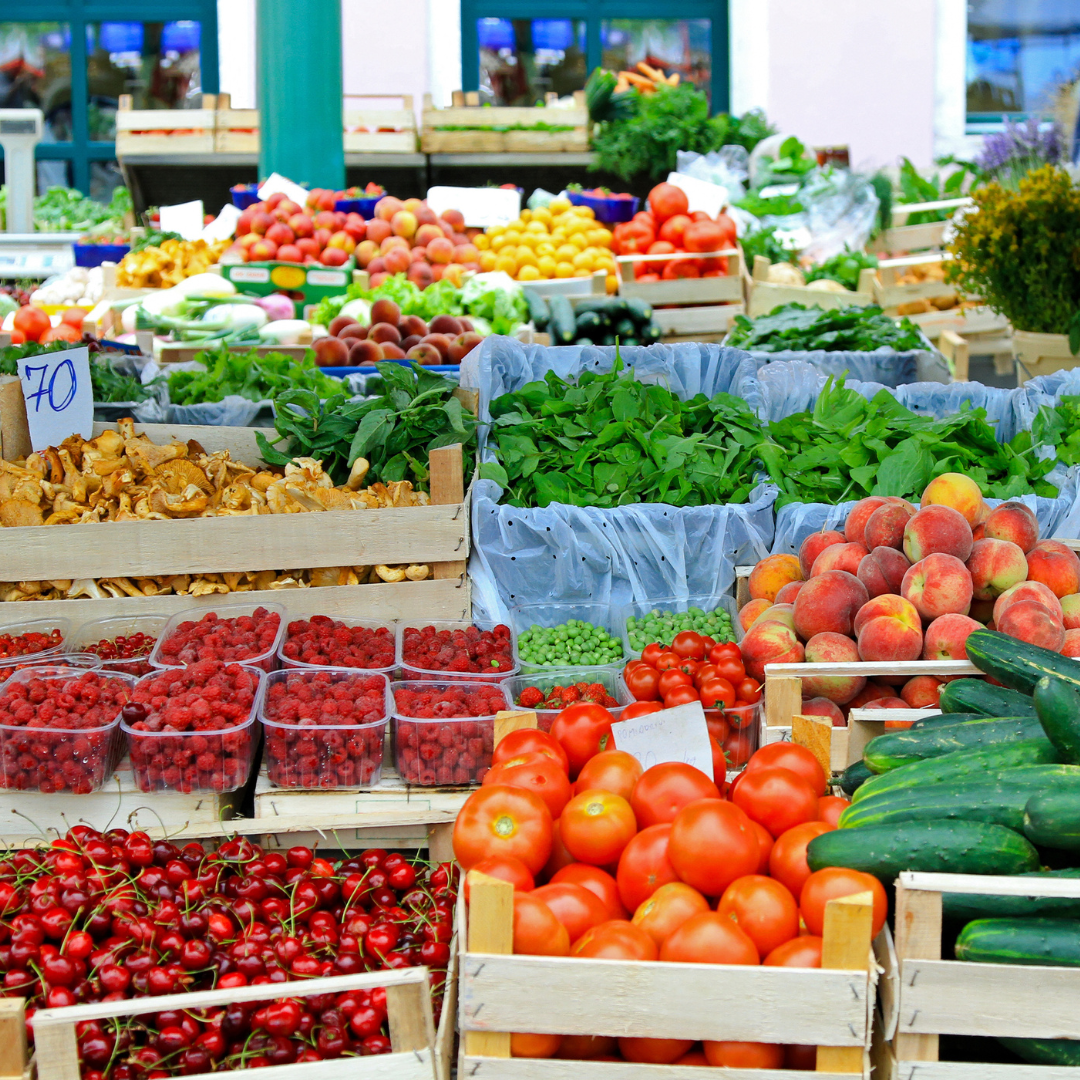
[328,642]
[123,653]
[232,640]
[201,712]
[54,733]
[114,916]
[323,728]
[468,651]
[33,641]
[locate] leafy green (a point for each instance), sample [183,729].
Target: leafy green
[257,378]
[416,413]
[109,385]
[844,267]
[1059,426]
[63,209]
[10,355]
[846,329]
[916,188]
[153,238]
[764,242]
[789,167]
[772,206]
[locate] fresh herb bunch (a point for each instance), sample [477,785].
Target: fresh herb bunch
[63,209]
[790,166]
[1059,426]
[154,238]
[764,242]
[1009,155]
[396,431]
[746,130]
[1021,251]
[772,206]
[610,440]
[110,386]
[257,378]
[916,188]
[803,329]
[844,267]
[848,448]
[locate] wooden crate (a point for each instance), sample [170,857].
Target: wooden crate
[930,997]
[165,131]
[236,131]
[764,295]
[380,131]
[707,322]
[891,295]
[181,352]
[498,993]
[1041,354]
[902,239]
[483,139]
[682,291]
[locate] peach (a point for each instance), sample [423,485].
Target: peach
[339,322]
[814,545]
[839,557]
[829,648]
[440,250]
[889,638]
[829,602]
[780,613]
[946,637]
[404,224]
[890,605]
[978,533]
[1055,565]
[982,515]
[888,703]
[957,491]
[820,706]
[330,351]
[922,692]
[1028,590]
[1071,645]
[769,643]
[788,593]
[426,233]
[378,230]
[1029,621]
[387,207]
[982,611]
[771,574]
[335,256]
[1070,611]
[1013,521]
[937,529]
[366,250]
[748,613]
[938,585]
[385,311]
[882,570]
[885,526]
[858,516]
[995,565]
[872,691]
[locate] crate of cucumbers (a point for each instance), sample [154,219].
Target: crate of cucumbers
[602,320]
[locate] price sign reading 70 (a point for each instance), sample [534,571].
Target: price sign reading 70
[59,396]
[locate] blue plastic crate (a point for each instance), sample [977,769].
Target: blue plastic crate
[89,255]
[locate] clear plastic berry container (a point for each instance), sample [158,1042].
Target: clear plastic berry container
[352,654]
[738,731]
[681,605]
[254,655]
[410,668]
[61,758]
[608,678]
[112,638]
[84,661]
[306,746]
[214,757]
[559,617]
[10,633]
[445,749]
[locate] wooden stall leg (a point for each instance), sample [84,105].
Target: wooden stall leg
[491,930]
[13,1037]
[448,488]
[846,947]
[511,720]
[412,1026]
[918,937]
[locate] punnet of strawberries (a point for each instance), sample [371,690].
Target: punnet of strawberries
[109,917]
[463,651]
[231,639]
[325,642]
[559,697]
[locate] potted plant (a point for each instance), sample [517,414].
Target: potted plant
[1020,250]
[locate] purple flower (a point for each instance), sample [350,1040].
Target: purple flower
[1019,148]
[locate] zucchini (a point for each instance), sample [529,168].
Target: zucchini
[1017,664]
[945,718]
[650,333]
[1044,942]
[854,776]
[625,329]
[977,695]
[1057,705]
[639,310]
[950,847]
[1000,801]
[903,747]
[961,766]
[964,907]
[538,309]
[562,324]
[612,306]
[588,322]
[1065,1052]
[1052,819]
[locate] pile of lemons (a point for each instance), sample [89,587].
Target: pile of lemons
[554,241]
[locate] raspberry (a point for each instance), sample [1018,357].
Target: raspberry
[469,651]
[212,638]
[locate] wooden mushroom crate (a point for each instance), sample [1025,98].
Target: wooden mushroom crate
[764,296]
[380,130]
[165,131]
[466,128]
[925,997]
[498,993]
[892,295]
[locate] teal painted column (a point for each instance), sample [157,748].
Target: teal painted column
[298,50]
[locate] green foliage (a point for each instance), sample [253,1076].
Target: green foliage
[764,242]
[846,329]
[1021,251]
[1059,426]
[916,188]
[10,355]
[153,238]
[110,386]
[844,267]
[792,164]
[248,375]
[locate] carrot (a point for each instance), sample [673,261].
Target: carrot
[639,81]
[651,72]
[673,79]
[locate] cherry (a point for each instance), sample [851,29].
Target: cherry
[171,1040]
[301,857]
[160,980]
[58,971]
[195,1060]
[366,1021]
[195,954]
[58,997]
[114,979]
[376,1044]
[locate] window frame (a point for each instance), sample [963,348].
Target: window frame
[81,151]
[594,12]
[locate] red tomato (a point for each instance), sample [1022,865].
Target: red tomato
[527,1045]
[537,932]
[730,668]
[725,648]
[689,645]
[704,673]
[763,909]
[653,1051]
[793,757]
[712,843]
[596,826]
[640,708]
[611,770]
[574,906]
[690,667]
[765,844]
[830,807]
[803,951]
[18,337]
[778,798]
[537,773]
[743,1055]
[643,682]
[505,868]
[740,717]
[672,230]
[833,883]
[667,659]
[528,741]
[717,724]
[709,938]
[749,691]
[615,940]
[666,200]
[501,820]
[644,866]
[74,316]
[630,666]
[704,236]
[651,653]
[31,321]
[670,678]
[582,729]
[717,693]
[63,332]
[681,695]
[559,856]
[667,909]
[787,860]
[597,881]
[665,789]
[719,763]
[737,748]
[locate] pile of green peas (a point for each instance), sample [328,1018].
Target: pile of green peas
[576,643]
[663,626]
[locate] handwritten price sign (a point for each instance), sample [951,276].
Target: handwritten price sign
[58,395]
[678,734]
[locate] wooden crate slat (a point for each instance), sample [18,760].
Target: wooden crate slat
[504,115]
[128,120]
[487,1068]
[977,1070]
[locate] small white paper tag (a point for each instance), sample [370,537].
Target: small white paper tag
[482,207]
[223,226]
[59,397]
[184,218]
[678,734]
[700,194]
[275,182]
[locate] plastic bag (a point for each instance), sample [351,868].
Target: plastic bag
[841,209]
[883,366]
[727,167]
[1044,390]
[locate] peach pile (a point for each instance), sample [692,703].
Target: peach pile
[909,583]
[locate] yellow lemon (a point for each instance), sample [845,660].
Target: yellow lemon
[565,252]
[583,260]
[513,236]
[488,260]
[528,273]
[559,205]
[496,230]
[564,269]
[579,241]
[585,211]
[546,265]
[526,214]
[507,264]
[612,284]
[545,247]
[498,242]
[536,227]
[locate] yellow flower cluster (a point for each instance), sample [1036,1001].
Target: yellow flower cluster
[553,241]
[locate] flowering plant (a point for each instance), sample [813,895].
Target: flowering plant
[1009,155]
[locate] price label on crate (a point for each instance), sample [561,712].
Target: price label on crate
[58,395]
[678,734]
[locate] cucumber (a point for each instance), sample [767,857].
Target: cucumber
[903,747]
[1017,664]
[562,325]
[1057,705]
[626,329]
[639,310]
[614,307]
[950,847]
[999,802]
[588,322]
[1065,1052]
[854,776]
[538,309]
[946,718]
[987,906]
[961,766]
[1044,942]
[1052,819]
[976,695]
[650,333]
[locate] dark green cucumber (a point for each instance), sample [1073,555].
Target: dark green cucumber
[1017,664]
[999,802]
[916,744]
[1043,942]
[949,847]
[944,719]
[639,310]
[964,907]
[1052,819]
[612,306]
[854,776]
[961,767]
[1057,705]
[562,325]
[979,696]
[1065,1052]
[538,309]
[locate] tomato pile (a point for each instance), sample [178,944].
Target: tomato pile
[231,640]
[124,653]
[611,862]
[457,652]
[322,641]
[113,916]
[33,641]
